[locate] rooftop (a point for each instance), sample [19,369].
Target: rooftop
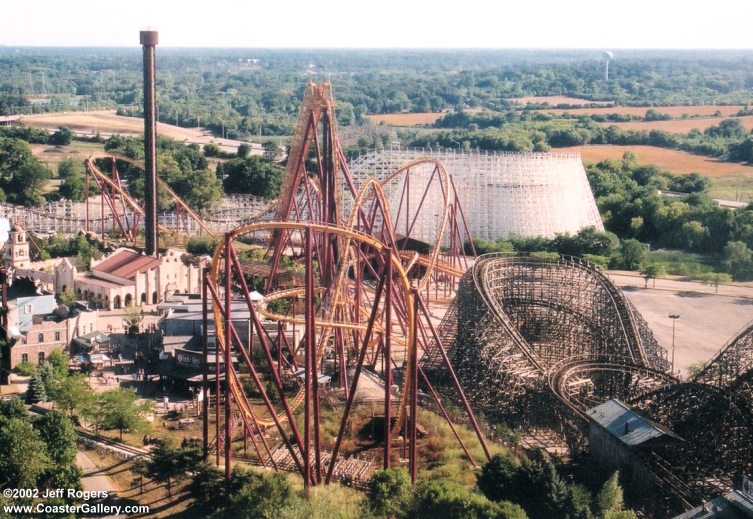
[625,424]
[90,280]
[125,263]
[734,505]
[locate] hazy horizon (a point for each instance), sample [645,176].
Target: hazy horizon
[474,24]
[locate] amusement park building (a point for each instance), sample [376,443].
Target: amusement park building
[501,194]
[122,278]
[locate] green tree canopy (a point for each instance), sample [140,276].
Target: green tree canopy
[252,175]
[259,495]
[389,492]
[57,431]
[72,393]
[715,279]
[36,391]
[120,409]
[633,254]
[200,189]
[652,271]
[498,479]
[443,498]
[23,454]
[610,498]
[69,167]
[738,260]
[168,463]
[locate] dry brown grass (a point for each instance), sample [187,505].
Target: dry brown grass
[53,155]
[680,125]
[557,100]
[106,122]
[640,111]
[678,162]
[406,119]
[155,495]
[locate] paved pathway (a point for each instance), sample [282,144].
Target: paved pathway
[94,479]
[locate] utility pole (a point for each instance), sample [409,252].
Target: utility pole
[674,318]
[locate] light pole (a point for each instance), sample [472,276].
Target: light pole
[674,318]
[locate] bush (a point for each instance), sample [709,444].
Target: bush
[200,245]
[260,495]
[25,369]
[498,478]
[439,498]
[389,492]
[211,150]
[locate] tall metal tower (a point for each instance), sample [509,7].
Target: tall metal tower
[149,40]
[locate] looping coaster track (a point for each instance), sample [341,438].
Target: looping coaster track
[365,294]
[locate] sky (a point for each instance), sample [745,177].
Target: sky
[605,24]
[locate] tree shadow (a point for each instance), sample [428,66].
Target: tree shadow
[692,293]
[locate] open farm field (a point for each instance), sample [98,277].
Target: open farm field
[676,112]
[678,162]
[729,180]
[557,100]
[106,123]
[406,119]
[680,125]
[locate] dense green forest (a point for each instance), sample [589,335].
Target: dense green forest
[242,92]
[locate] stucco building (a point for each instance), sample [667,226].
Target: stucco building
[122,278]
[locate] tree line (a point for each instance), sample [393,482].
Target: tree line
[244,92]
[539,132]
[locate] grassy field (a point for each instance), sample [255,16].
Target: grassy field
[675,112]
[406,119]
[53,155]
[729,180]
[557,100]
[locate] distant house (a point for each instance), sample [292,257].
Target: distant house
[92,342]
[181,360]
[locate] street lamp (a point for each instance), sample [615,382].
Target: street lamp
[674,318]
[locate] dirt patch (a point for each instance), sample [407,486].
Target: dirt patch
[406,119]
[135,490]
[53,155]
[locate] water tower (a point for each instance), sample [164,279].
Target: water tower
[607,58]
